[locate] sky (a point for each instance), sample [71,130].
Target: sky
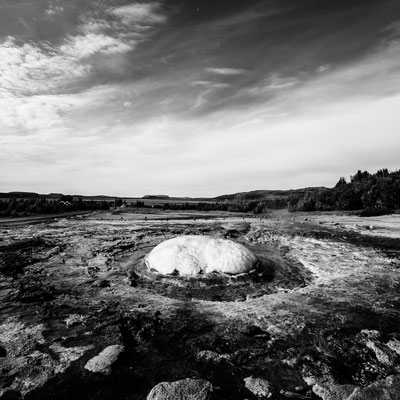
[196,97]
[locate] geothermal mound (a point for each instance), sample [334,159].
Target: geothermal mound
[194,255]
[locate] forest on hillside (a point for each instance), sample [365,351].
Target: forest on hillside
[372,193]
[375,193]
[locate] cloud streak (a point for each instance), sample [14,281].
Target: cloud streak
[226,71]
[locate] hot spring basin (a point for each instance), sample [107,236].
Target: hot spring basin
[193,255]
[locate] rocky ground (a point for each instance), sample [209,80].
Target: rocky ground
[81,318]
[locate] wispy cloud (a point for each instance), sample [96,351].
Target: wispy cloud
[28,68]
[80,47]
[226,71]
[270,87]
[33,76]
[140,13]
[210,84]
[372,76]
[36,78]
[54,9]
[44,114]
[277,82]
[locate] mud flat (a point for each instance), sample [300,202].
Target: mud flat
[82,318]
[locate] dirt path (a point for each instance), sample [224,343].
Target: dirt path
[40,218]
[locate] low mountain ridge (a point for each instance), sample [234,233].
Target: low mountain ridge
[268,194]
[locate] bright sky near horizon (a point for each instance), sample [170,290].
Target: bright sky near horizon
[196,97]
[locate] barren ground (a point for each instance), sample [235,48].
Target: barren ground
[320,320]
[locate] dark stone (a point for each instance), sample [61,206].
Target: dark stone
[104,283]
[188,389]
[255,331]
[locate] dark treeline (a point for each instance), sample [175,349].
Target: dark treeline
[239,204]
[17,207]
[376,194]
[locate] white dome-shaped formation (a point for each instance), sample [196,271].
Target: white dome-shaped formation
[193,255]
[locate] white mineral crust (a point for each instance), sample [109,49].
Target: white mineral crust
[193,255]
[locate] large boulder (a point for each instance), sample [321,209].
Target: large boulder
[103,362]
[193,255]
[186,389]
[259,387]
[382,389]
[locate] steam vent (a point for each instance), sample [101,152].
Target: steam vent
[194,255]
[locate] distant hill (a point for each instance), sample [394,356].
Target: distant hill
[23,193]
[268,194]
[156,196]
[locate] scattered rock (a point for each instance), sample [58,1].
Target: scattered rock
[384,389]
[334,392]
[74,319]
[259,387]
[20,339]
[103,362]
[186,389]
[394,345]
[370,334]
[383,353]
[208,356]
